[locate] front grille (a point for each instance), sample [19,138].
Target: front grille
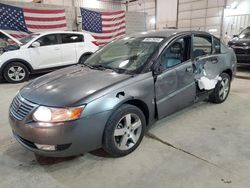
[241,51]
[20,107]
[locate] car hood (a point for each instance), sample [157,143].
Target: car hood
[68,86]
[239,42]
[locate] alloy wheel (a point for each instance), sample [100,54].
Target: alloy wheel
[16,73]
[127,131]
[224,88]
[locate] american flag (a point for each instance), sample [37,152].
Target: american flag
[103,26]
[18,22]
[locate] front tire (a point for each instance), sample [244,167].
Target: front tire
[221,90]
[124,131]
[15,72]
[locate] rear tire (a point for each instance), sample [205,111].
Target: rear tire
[15,72]
[124,131]
[221,90]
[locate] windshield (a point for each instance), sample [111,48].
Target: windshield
[245,34]
[125,55]
[28,38]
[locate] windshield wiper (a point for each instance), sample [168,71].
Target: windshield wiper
[89,66]
[103,67]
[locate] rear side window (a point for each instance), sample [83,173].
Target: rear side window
[216,46]
[71,38]
[202,46]
[48,40]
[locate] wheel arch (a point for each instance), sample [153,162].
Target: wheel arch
[28,65]
[86,53]
[229,72]
[141,105]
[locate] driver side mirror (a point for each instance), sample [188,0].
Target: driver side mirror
[35,44]
[157,68]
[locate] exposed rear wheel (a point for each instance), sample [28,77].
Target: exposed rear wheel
[221,90]
[124,131]
[15,72]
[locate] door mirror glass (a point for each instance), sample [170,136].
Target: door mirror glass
[35,44]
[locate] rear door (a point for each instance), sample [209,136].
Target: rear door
[70,44]
[48,54]
[175,86]
[207,55]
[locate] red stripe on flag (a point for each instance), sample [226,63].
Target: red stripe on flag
[113,19]
[113,25]
[27,18]
[114,30]
[46,26]
[111,13]
[109,37]
[41,11]
[18,36]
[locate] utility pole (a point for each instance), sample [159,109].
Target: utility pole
[155,14]
[177,14]
[222,19]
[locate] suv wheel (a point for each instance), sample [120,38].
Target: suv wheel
[124,131]
[15,72]
[221,90]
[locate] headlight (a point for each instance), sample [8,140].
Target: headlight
[47,114]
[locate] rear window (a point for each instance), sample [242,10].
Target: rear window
[71,38]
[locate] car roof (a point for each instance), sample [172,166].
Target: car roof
[167,33]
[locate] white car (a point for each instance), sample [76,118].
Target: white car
[43,52]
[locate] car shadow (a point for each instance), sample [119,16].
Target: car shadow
[243,72]
[32,77]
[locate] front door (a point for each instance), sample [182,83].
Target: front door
[175,87]
[48,54]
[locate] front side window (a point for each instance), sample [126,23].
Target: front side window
[126,55]
[202,46]
[48,40]
[71,38]
[176,53]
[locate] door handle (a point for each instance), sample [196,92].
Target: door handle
[57,48]
[214,60]
[189,69]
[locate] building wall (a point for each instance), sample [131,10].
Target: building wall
[238,18]
[135,21]
[78,3]
[205,15]
[69,10]
[166,14]
[147,7]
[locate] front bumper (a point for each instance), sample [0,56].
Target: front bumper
[70,138]
[241,58]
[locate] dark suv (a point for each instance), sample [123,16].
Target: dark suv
[241,45]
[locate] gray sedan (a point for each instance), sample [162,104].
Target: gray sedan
[119,92]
